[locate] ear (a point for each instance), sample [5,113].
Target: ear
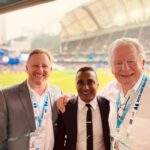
[143,64]
[112,69]
[98,84]
[26,68]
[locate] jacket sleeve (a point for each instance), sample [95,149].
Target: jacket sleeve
[3,121]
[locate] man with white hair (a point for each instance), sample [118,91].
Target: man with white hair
[129,95]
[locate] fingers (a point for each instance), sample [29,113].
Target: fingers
[66,99]
[60,104]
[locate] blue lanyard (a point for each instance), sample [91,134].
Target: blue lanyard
[39,117]
[125,110]
[127,106]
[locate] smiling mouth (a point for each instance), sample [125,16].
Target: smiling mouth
[86,91]
[39,75]
[128,75]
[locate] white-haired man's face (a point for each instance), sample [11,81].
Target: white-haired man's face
[126,66]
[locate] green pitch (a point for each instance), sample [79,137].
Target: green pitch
[64,79]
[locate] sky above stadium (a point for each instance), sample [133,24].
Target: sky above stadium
[41,18]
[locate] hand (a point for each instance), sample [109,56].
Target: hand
[116,145]
[62,101]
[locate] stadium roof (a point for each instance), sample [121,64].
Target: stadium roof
[101,15]
[9,5]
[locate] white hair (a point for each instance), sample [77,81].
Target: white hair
[127,41]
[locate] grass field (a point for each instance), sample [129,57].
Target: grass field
[64,79]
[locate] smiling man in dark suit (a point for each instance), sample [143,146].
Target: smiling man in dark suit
[73,124]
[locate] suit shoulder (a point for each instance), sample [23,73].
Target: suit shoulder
[71,103]
[53,87]
[102,100]
[73,100]
[14,90]
[104,104]
[10,88]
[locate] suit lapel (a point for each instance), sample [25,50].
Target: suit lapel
[104,111]
[26,101]
[52,96]
[73,117]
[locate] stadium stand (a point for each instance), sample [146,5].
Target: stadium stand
[89,29]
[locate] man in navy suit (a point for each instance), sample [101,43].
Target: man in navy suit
[72,123]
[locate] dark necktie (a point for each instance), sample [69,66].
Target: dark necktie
[89,128]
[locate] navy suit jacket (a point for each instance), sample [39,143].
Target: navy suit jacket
[66,137]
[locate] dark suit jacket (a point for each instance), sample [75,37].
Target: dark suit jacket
[17,118]
[67,125]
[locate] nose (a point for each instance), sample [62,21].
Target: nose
[40,69]
[85,86]
[125,66]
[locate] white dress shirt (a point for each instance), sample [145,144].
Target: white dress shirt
[48,127]
[98,141]
[139,138]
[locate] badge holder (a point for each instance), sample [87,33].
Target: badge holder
[37,139]
[119,143]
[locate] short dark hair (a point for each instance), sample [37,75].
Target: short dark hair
[86,68]
[39,51]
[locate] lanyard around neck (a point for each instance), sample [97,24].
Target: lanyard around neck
[139,91]
[40,118]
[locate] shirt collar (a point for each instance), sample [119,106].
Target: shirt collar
[33,92]
[81,103]
[135,87]
[133,90]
